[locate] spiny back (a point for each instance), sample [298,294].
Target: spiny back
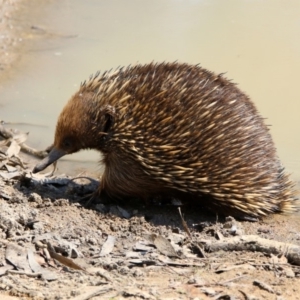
[186,129]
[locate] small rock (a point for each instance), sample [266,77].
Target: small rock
[34,197]
[132,254]
[38,227]
[61,202]
[137,273]
[92,241]
[192,280]
[102,208]
[124,270]
[289,273]
[177,238]
[120,212]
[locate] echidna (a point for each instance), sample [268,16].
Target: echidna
[174,128]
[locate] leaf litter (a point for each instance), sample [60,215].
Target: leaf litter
[127,250]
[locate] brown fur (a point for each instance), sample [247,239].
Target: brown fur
[176,127]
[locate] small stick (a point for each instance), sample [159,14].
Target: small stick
[185,226]
[24,273]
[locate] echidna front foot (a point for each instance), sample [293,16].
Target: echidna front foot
[90,198]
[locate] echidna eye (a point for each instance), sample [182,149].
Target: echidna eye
[67,143]
[108,123]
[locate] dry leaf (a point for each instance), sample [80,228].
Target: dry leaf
[13,149]
[8,176]
[10,169]
[5,268]
[65,261]
[139,246]
[20,137]
[16,255]
[108,245]
[36,268]
[163,245]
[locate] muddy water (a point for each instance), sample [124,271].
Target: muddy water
[256,42]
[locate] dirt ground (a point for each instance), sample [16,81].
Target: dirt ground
[53,247]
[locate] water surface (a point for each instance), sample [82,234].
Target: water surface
[256,42]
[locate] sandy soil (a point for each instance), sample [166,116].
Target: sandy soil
[52,247]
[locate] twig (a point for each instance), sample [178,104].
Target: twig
[97,292]
[6,133]
[256,243]
[185,226]
[264,286]
[233,279]
[24,273]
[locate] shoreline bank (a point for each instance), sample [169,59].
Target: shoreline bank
[10,37]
